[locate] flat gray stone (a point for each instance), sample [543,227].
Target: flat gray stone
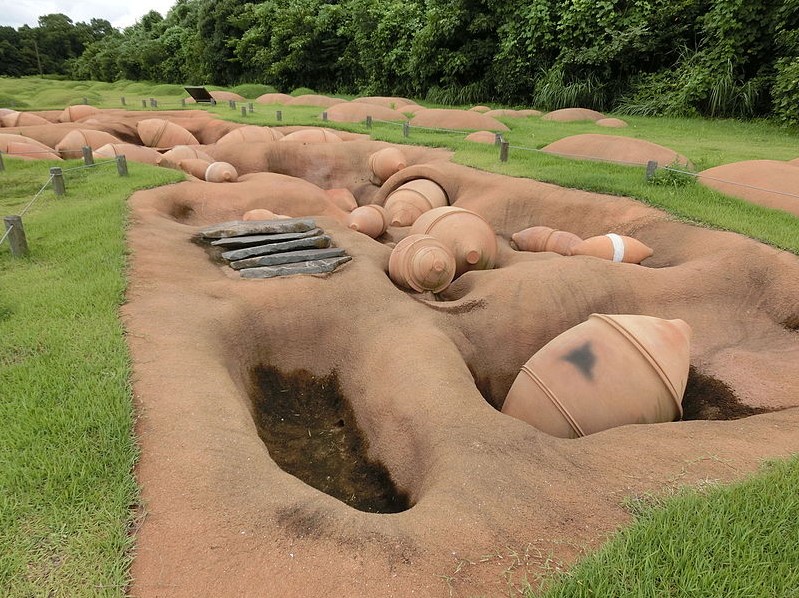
[238,228]
[288,257]
[312,267]
[261,239]
[309,243]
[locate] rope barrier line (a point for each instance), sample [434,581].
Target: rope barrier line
[26,208]
[704,176]
[579,157]
[8,232]
[401,124]
[100,163]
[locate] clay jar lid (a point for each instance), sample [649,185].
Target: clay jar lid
[422,263]
[370,220]
[466,234]
[409,201]
[544,238]
[617,248]
[387,162]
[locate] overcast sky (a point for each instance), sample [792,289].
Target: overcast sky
[16,13]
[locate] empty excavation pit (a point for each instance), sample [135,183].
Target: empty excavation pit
[338,432]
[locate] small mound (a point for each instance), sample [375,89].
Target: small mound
[569,115]
[530,112]
[613,123]
[794,162]
[274,98]
[350,112]
[456,119]
[614,148]
[226,96]
[481,109]
[504,112]
[777,183]
[394,102]
[412,109]
[486,137]
[315,100]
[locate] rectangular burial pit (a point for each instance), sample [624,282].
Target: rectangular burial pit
[310,431]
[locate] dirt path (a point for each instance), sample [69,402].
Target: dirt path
[492,500]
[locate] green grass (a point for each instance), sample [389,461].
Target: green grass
[66,444]
[737,541]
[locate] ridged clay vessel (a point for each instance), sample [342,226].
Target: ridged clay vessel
[617,248]
[30,151]
[609,371]
[312,136]
[196,167]
[465,233]
[132,153]
[370,220]
[250,133]
[386,162]
[544,238]
[23,119]
[409,201]
[171,157]
[221,172]
[71,146]
[72,114]
[422,263]
[157,132]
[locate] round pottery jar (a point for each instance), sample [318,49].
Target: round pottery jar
[370,220]
[221,172]
[609,371]
[544,238]
[342,198]
[466,234]
[196,167]
[312,136]
[250,133]
[157,132]
[386,162]
[183,152]
[422,263]
[75,113]
[614,247]
[409,201]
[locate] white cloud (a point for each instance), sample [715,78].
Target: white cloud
[27,12]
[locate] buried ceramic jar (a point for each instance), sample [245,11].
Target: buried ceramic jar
[466,234]
[157,132]
[409,201]
[617,248]
[609,371]
[386,162]
[370,220]
[422,263]
[544,238]
[221,172]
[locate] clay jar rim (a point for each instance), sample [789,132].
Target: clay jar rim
[413,173]
[472,256]
[417,254]
[619,327]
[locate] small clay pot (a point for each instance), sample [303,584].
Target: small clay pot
[221,172]
[157,132]
[409,201]
[71,146]
[23,119]
[617,248]
[466,234]
[422,263]
[72,114]
[370,220]
[544,238]
[312,136]
[182,152]
[386,162]
[608,371]
[132,153]
[251,133]
[196,167]
[342,198]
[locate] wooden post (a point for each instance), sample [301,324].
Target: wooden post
[324,116]
[16,236]
[88,158]
[58,180]
[144,103]
[182,102]
[122,165]
[85,100]
[368,122]
[503,151]
[244,111]
[123,100]
[213,102]
[153,102]
[251,107]
[651,167]
[232,104]
[2,165]
[279,115]
[497,138]
[406,129]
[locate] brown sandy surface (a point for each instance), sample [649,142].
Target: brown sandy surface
[613,147]
[492,498]
[768,183]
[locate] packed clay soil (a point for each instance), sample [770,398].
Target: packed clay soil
[756,181]
[616,148]
[468,501]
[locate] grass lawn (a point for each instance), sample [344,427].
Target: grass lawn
[67,450]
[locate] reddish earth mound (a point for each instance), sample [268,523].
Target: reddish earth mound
[614,148]
[350,112]
[249,390]
[567,115]
[768,183]
[613,123]
[456,119]
[482,137]
[505,112]
[393,102]
[274,98]
[315,100]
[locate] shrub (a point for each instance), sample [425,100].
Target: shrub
[785,92]
[252,90]
[301,91]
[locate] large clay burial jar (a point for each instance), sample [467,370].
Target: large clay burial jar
[466,234]
[221,172]
[72,114]
[409,201]
[422,263]
[609,371]
[251,133]
[617,248]
[157,132]
[370,220]
[387,162]
[544,238]
[71,146]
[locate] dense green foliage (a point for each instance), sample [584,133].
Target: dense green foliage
[646,57]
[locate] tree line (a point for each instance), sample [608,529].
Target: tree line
[725,58]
